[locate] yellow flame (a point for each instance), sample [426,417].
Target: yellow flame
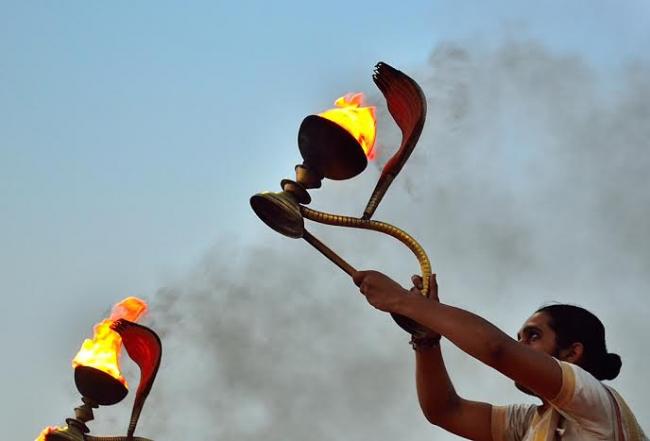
[102,351]
[50,429]
[359,121]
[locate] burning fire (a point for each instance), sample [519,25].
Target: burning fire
[359,121]
[47,431]
[103,350]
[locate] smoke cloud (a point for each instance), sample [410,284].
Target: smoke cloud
[529,185]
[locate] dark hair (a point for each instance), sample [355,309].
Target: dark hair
[573,324]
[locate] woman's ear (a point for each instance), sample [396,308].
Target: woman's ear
[573,353]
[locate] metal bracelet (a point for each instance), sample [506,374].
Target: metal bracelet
[424,342]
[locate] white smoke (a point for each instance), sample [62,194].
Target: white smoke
[529,185]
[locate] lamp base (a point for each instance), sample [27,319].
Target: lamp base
[77,425]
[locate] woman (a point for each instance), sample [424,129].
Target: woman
[560,357]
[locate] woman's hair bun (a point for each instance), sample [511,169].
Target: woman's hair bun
[611,366]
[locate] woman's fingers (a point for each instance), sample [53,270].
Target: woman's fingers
[433,287]
[417,281]
[433,284]
[358,277]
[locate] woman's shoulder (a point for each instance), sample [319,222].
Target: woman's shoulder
[585,400]
[580,386]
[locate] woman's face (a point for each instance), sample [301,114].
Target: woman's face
[537,334]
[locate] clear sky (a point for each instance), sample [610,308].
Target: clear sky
[133,133]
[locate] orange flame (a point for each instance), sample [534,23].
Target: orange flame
[103,350]
[50,429]
[359,121]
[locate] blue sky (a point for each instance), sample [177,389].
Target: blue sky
[142,123]
[133,133]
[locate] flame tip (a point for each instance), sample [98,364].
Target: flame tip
[359,120]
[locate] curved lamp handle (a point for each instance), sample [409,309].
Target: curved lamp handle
[145,349]
[408,107]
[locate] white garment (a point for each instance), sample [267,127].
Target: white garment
[584,409]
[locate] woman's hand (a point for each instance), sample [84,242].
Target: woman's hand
[385,294]
[433,296]
[381,291]
[418,286]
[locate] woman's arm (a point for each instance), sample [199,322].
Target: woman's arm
[438,399]
[530,368]
[440,403]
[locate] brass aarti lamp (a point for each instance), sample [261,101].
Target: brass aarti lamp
[330,151]
[100,388]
